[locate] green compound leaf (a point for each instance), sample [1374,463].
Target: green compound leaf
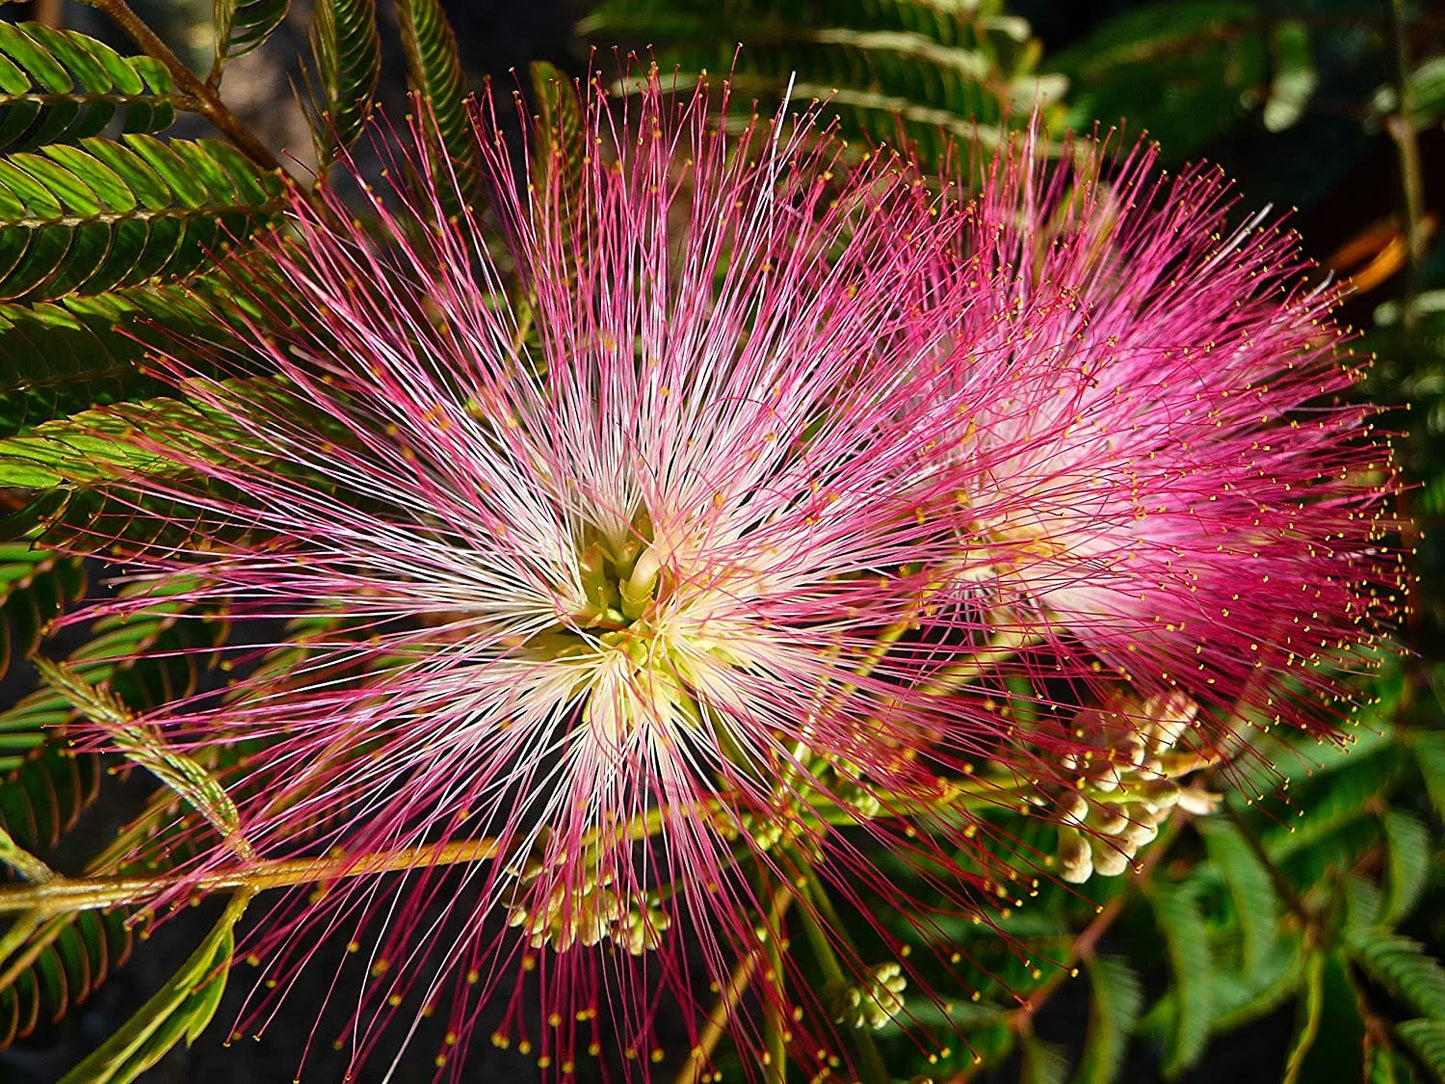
[94,446]
[143,744]
[347,49]
[1179,70]
[1335,804]
[35,586]
[1426,1038]
[944,70]
[110,444]
[1115,999]
[1429,749]
[1400,965]
[58,86]
[434,73]
[1275,980]
[557,162]
[148,658]
[562,134]
[1186,941]
[181,1009]
[1043,1063]
[1256,903]
[1294,78]
[50,963]
[41,798]
[106,214]
[61,358]
[1364,903]
[243,25]
[1408,842]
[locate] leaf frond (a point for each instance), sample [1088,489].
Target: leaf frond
[60,86]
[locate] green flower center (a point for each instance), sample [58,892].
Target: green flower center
[621,580]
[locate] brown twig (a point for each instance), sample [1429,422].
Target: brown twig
[49,13]
[61,895]
[208,99]
[1083,946]
[727,1002]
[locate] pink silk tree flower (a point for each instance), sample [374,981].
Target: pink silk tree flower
[610,525]
[1163,472]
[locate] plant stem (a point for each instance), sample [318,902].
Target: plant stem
[1314,1012]
[62,894]
[775,1025]
[874,1071]
[1401,126]
[66,894]
[732,994]
[1287,891]
[207,97]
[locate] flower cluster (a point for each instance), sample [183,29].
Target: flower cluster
[696,580]
[1125,790]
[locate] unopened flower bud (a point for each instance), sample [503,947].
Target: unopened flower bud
[1110,860]
[1197,800]
[871,1003]
[1076,858]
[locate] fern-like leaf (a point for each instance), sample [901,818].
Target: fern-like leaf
[1178,70]
[181,1009]
[97,446]
[1336,803]
[557,163]
[1429,749]
[148,658]
[1256,903]
[1400,965]
[347,49]
[434,73]
[106,214]
[49,963]
[1408,846]
[58,86]
[35,586]
[1186,941]
[154,436]
[1426,1039]
[41,798]
[61,358]
[1115,998]
[143,744]
[1043,1063]
[944,70]
[243,25]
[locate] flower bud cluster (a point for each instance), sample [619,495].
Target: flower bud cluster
[871,1003]
[1123,792]
[588,913]
[584,912]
